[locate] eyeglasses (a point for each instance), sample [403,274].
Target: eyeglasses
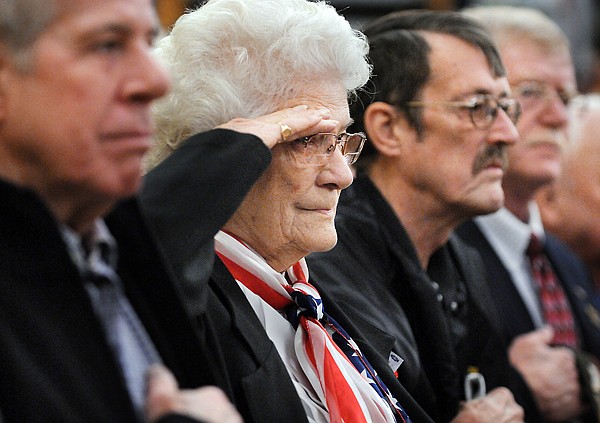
[536,93]
[483,109]
[316,150]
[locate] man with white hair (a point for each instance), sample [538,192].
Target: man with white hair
[540,288]
[570,206]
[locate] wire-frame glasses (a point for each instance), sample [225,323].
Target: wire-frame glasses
[483,109]
[315,150]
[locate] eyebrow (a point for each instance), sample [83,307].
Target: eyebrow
[502,94]
[120,29]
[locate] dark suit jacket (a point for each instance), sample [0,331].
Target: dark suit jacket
[55,362]
[178,205]
[374,274]
[571,272]
[370,346]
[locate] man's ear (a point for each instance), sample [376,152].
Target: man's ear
[387,128]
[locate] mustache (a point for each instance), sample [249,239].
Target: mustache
[494,154]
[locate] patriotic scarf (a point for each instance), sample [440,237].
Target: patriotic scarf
[336,369]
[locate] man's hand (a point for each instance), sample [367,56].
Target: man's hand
[497,406]
[550,372]
[208,404]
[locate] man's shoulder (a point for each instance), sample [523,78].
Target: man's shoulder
[469,232]
[559,250]
[470,235]
[126,223]
[461,248]
[355,206]
[365,220]
[570,267]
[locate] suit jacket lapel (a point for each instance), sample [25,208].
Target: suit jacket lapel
[243,317]
[269,368]
[473,274]
[152,291]
[503,290]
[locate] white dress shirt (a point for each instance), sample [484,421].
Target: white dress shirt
[509,237]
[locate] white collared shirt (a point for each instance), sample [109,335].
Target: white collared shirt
[509,237]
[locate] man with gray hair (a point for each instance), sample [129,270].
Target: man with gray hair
[540,288]
[92,326]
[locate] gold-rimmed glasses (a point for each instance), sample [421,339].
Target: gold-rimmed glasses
[483,108]
[315,150]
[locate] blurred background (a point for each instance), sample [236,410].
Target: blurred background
[578,18]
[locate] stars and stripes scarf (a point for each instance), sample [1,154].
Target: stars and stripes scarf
[338,372]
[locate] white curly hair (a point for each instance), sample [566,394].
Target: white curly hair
[245,58]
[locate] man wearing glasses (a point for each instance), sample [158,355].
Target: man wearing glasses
[439,117]
[541,289]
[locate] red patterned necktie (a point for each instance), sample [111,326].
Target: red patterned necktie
[553,300]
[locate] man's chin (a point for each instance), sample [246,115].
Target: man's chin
[491,204]
[491,207]
[123,187]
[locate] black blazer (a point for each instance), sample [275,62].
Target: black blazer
[179,206]
[374,274]
[370,347]
[571,272]
[55,362]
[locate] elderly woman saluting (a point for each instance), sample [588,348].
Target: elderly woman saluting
[282,358]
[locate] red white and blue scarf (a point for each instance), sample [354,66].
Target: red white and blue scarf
[333,364]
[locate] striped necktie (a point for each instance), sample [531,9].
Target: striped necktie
[124,331]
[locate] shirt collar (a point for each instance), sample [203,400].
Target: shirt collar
[508,232]
[98,246]
[535,221]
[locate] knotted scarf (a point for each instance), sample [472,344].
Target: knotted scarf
[340,375]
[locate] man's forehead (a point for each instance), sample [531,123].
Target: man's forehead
[525,61]
[81,20]
[447,49]
[72,4]
[461,68]
[106,8]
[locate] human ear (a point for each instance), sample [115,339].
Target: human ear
[387,128]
